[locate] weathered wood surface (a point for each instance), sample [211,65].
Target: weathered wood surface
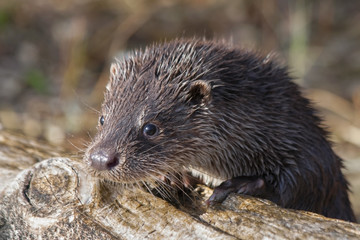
[55,198]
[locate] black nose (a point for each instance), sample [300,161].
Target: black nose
[104,160]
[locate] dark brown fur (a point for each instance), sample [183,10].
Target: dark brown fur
[222,113]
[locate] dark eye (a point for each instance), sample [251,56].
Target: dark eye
[102,120]
[150,130]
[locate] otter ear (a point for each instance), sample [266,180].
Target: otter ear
[199,92]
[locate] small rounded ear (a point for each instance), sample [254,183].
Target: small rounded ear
[199,92]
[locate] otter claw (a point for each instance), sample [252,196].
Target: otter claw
[180,180]
[254,186]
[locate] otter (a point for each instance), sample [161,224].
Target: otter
[232,117]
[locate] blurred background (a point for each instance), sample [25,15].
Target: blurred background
[55,57]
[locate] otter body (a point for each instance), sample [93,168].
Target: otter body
[227,115]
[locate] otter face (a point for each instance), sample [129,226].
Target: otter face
[150,118]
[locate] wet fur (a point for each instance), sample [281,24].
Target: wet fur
[223,112]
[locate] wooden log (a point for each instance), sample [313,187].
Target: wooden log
[56,199]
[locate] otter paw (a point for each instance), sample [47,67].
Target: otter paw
[180,180]
[254,186]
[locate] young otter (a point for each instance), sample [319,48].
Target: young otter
[225,114]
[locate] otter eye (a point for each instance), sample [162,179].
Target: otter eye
[150,130]
[102,120]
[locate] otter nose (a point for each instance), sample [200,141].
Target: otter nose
[103,160]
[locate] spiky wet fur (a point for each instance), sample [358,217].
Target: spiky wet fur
[252,122]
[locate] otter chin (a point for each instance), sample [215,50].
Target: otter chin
[230,116]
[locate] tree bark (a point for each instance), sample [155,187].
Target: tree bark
[43,195]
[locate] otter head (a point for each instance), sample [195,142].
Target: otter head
[151,120]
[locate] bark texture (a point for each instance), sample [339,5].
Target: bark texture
[44,196]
